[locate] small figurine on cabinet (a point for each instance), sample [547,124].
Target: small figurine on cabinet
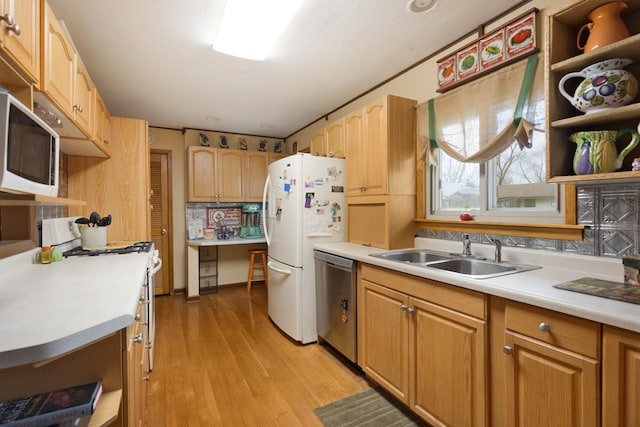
[223,142]
[242,143]
[263,145]
[204,140]
[277,148]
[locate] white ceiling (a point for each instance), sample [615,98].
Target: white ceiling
[152,59]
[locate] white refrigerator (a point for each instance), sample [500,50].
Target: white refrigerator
[303,204]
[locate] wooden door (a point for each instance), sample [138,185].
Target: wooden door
[334,138]
[255,171]
[383,328]
[25,48]
[355,153]
[161,218]
[375,136]
[230,175]
[548,386]
[620,378]
[202,181]
[447,366]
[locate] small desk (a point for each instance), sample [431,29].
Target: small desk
[195,261]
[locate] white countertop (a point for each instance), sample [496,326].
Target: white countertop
[533,287]
[225,242]
[48,310]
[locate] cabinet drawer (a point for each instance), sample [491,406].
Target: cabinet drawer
[208,282]
[558,329]
[208,268]
[208,253]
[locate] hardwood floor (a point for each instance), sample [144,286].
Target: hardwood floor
[221,362]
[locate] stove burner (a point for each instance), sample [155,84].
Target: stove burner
[136,247]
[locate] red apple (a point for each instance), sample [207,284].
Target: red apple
[466,216]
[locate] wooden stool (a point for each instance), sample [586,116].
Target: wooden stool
[265,275]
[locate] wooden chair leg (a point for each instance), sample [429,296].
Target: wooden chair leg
[251,259]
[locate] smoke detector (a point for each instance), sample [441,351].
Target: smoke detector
[421,6]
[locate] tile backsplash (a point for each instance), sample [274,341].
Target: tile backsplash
[610,213]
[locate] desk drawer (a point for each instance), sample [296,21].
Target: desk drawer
[208,268]
[561,330]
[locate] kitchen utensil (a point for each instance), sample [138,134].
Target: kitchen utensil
[94,218]
[606,26]
[596,151]
[605,84]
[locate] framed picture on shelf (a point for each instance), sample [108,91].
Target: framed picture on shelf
[467,61]
[520,36]
[491,50]
[447,71]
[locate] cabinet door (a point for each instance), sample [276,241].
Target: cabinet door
[334,137]
[447,365]
[383,328]
[23,49]
[318,146]
[230,175]
[59,69]
[375,136]
[83,100]
[548,386]
[620,378]
[255,174]
[202,182]
[355,153]
[101,124]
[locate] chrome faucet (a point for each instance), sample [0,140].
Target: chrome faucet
[466,245]
[498,255]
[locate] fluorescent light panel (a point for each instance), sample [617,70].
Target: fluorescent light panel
[250,28]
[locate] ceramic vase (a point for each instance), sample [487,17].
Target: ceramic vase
[596,151]
[606,26]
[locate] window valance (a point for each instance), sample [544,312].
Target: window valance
[477,121]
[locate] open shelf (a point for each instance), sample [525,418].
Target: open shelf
[10,199]
[107,409]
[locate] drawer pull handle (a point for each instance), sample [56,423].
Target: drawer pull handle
[403,307]
[138,338]
[137,316]
[544,327]
[410,310]
[507,349]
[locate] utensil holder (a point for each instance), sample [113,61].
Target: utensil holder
[93,237]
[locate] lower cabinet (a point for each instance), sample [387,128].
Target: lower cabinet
[546,367]
[135,369]
[424,342]
[620,378]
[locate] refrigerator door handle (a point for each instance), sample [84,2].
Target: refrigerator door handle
[279,270]
[264,210]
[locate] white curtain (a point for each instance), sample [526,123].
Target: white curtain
[478,120]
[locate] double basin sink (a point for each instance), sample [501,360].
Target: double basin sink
[468,266]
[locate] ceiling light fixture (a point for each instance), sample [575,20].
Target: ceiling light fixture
[250,28]
[421,6]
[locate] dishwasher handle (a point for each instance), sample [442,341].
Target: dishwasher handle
[345,264]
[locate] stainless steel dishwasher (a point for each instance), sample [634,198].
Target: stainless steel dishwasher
[336,302]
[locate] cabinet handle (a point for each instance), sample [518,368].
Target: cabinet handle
[410,310]
[507,349]
[138,338]
[8,18]
[404,307]
[544,327]
[78,108]
[137,316]
[106,141]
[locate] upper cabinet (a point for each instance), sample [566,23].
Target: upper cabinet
[20,36]
[101,124]
[590,86]
[254,174]
[329,142]
[67,92]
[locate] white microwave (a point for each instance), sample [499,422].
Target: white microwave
[29,150]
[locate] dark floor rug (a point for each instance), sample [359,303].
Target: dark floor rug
[372,407]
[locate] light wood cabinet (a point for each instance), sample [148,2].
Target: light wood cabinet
[620,378]
[424,342]
[563,57]
[380,182]
[276,156]
[329,142]
[120,185]
[101,124]
[254,174]
[23,49]
[547,367]
[224,175]
[135,369]
[83,99]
